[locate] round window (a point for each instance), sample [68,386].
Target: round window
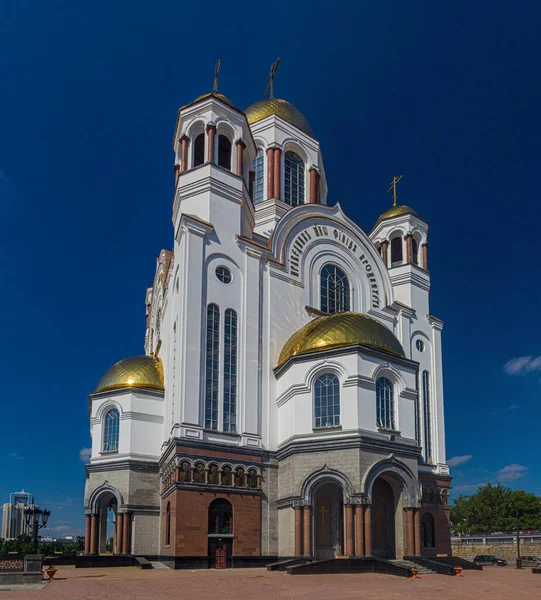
[223,274]
[420,345]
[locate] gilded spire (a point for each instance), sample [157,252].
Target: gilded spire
[393,187]
[270,82]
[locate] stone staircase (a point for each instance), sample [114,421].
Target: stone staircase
[410,565]
[158,565]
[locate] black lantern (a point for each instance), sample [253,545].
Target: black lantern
[36,519]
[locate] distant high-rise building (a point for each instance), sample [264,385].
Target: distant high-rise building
[13,520]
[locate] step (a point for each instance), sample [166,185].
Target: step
[158,565]
[410,565]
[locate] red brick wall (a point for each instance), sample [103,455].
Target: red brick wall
[442,530]
[189,523]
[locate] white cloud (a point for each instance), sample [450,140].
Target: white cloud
[511,472]
[85,454]
[458,460]
[522,365]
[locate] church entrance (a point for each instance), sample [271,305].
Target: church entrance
[383,520]
[328,521]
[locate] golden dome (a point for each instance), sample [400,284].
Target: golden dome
[221,97]
[340,330]
[274,106]
[139,372]
[395,211]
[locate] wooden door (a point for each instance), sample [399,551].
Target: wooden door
[220,556]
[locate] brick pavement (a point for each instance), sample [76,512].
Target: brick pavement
[494,583]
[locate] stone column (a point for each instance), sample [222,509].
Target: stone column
[277,173]
[119,532]
[184,141]
[359,530]
[211,133]
[87,534]
[385,252]
[298,530]
[176,170]
[94,525]
[270,173]
[240,163]
[407,238]
[126,534]
[410,536]
[368,530]
[425,256]
[417,529]
[314,186]
[307,518]
[350,550]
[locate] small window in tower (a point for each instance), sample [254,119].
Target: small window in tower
[259,168]
[293,179]
[420,345]
[414,251]
[199,150]
[223,274]
[396,252]
[224,152]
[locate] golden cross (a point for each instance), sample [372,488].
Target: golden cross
[270,83]
[216,72]
[393,187]
[323,510]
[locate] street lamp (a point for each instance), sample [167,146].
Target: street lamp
[35,520]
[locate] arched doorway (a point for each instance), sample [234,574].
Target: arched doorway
[220,532]
[328,520]
[383,520]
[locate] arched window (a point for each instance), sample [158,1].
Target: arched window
[428,531]
[252,478]
[293,179]
[414,251]
[186,472]
[111,430]
[327,401]
[426,415]
[259,176]
[240,479]
[224,152]
[212,383]
[396,251]
[335,292]
[230,371]
[227,476]
[168,525]
[213,475]
[199,150]
[385,404]
[220,517]
[199,473]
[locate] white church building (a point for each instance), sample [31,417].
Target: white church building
[289,401]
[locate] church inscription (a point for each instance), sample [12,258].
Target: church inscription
[321,231]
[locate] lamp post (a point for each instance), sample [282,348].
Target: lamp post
[36,519]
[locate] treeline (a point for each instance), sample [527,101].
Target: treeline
[24,545]
[495,508]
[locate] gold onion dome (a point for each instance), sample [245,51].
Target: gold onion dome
[144,372]
[221,97]
[282,108]
[396,211]
[338,331]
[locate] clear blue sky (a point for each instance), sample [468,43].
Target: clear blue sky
[446,94]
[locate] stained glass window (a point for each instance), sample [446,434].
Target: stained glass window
[293,179]
[335,291]
[230,371]
[385,404]
[213,367]
[327,401]
[111,431]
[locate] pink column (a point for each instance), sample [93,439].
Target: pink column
[368,530]
[359,530]
[184,141]
[277,173]
[298,530]
[240,164]
[307,518]
[425,256]
[270,173]
[211,133]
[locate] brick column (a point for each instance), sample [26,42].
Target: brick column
[277,173]
[359,530]
[240,163]
[410,536]
[350,550]
[119,532]
[417,530]
[298,530]
[385,252]
[184,141]
[211,133]
[94,528]
[407,238]
[87,534]
[270,173]
[425,256]
[126,526]
[176,170]
[368,530]
[307,523]
[314,186]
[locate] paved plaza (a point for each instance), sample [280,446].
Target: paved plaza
[132,583]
